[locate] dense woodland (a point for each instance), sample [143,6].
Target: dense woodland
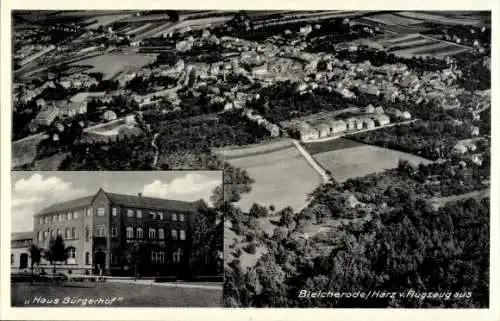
[407,244]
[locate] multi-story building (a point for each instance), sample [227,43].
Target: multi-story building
[121,234]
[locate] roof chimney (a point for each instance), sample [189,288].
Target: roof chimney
[139,194]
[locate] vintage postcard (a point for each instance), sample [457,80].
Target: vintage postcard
[317,159]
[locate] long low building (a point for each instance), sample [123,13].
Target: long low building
[121,234]
[20,258]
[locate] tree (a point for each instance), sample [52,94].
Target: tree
[57,251]
[36,255]
[258,211]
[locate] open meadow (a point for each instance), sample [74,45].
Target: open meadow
[357,160]
[24,151]
[112,64]
[282,176]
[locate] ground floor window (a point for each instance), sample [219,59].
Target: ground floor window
[177,256]
[87,258]
[158,257]
[71,255]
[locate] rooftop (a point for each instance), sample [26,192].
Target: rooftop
[134,201]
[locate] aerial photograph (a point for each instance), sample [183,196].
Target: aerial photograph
[355,145]
[111,239]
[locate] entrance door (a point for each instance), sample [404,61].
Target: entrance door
[23,262]
[100,260]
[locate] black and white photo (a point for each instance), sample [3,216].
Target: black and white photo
[116,239]
[243,158]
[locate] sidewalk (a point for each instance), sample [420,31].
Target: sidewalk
[167,284]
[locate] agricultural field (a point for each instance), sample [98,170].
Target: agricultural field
[345,163]
[24,151]
[113,64]
[440,18]
[331,145]
[414,44]
[104,20]
[281,186]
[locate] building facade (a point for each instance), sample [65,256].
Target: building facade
[20,259]
[120,234]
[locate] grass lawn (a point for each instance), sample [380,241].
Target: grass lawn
[282,178]
[125,294]
[362,160]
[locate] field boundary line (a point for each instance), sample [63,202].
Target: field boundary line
[311,161]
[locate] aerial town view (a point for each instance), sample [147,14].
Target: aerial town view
[355,145]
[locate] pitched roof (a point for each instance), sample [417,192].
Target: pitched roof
[68,205]
[17,236]
[151,202]
[134,201]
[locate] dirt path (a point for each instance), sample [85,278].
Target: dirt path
[157,151]
[322,173]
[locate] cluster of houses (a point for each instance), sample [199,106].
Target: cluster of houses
[323,125]
[468,148]
[336,127]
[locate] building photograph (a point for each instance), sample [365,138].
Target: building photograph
[155,226]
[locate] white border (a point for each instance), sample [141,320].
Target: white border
[8,313]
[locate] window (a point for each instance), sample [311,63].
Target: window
[73,232]
[87,233]
[58,232]
[181,217]
[113,257]
[89,212]
[87,258]
[100,211]
[160,215]
[130,213]
[139,214]
[76,215]
[140,233]
[174,234]
[71,255]
[100,231]
[183,235]
[158,257]
[67,233]
[61,217]
[69,216]
[114,211]
[174,217]
[45,235]
[53,234]
[114,231]
[40,220]
[130,232]
[54,218]
[40,236]
[152,215]
[46,219]
[161,233]
[12,260]
[177,255]
[152,233]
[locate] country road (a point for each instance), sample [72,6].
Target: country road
[157,152]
